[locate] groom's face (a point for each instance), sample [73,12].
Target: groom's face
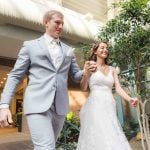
[54,27]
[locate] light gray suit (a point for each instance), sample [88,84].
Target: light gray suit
[47,86]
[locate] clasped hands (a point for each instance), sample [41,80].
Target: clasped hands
[89,67]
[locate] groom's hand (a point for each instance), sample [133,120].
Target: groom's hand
[5,118]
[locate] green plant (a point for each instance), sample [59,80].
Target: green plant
[129,37]
[69,135]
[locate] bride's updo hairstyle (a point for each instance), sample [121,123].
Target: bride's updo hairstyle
[94,48]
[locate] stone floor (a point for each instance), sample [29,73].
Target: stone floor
[21,145]
[10,139]
[9,135]
[136,145]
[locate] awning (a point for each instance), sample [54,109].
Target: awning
[29,14]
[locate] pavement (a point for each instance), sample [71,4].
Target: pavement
[11,139]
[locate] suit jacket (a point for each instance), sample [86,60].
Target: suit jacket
[46,83]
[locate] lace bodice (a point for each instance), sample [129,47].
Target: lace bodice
[100,81]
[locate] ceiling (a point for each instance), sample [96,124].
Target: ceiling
[91,8]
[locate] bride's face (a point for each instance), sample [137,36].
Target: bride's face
[102,51]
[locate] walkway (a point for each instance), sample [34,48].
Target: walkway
[10,139]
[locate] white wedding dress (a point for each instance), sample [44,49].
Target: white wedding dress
[100,128]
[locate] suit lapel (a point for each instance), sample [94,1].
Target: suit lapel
[44,48]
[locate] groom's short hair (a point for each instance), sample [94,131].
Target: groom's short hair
[49,14]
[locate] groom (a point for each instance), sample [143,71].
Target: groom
[48,61]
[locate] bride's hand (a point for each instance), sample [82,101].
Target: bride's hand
[134,102]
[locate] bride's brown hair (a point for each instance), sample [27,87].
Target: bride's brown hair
[94,48]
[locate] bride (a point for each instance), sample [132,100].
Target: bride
[100,128]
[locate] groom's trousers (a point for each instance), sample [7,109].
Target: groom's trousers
[45,128]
